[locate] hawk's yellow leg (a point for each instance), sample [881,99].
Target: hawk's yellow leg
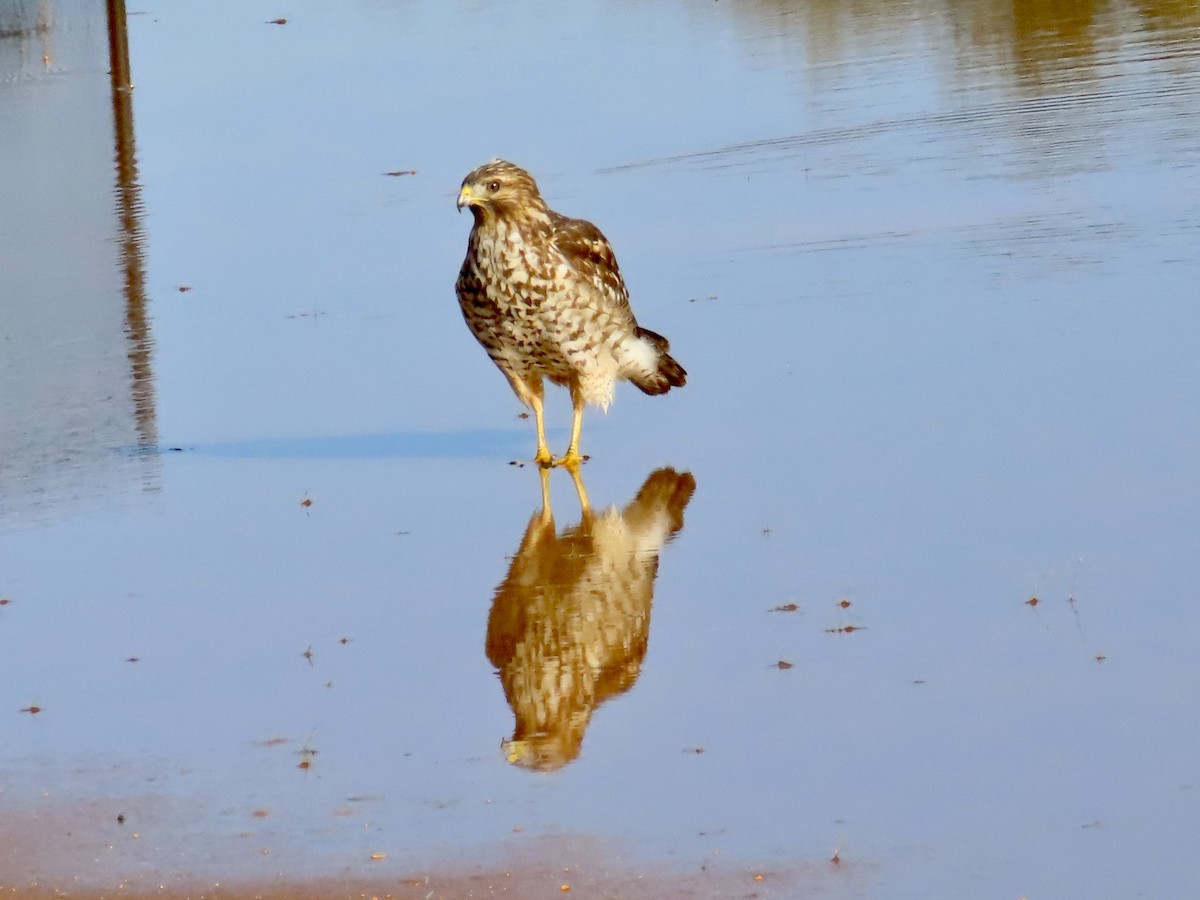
[543,457]
[529,391]
[571,459]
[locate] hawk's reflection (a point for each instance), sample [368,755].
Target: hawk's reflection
[569,625]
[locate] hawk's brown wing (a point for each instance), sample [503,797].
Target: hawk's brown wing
[588,252]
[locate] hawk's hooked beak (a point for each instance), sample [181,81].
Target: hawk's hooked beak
[465,196]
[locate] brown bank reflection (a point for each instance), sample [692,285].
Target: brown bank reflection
[1030,35]
[1042,87]
[77,408]
[571,621]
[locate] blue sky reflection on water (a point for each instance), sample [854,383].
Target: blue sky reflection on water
[931,268]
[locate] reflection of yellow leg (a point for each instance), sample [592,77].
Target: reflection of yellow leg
[584,505]
[571,459]
[547,514]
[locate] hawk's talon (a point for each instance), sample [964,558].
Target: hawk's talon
[570,461]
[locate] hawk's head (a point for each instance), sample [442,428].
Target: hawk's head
[500,189]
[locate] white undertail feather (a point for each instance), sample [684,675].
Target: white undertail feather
[640,359]
[657,371]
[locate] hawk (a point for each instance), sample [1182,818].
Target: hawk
[542,293]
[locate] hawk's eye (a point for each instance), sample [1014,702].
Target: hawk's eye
[493,186]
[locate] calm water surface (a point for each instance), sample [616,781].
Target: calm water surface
[272,583]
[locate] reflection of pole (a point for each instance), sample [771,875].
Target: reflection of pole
[129,208]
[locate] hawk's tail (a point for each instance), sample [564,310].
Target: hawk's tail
[664,372]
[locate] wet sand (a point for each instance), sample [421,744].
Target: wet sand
[41,858]
[528,879]
[66,849]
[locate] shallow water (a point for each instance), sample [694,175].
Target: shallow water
[932,270]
